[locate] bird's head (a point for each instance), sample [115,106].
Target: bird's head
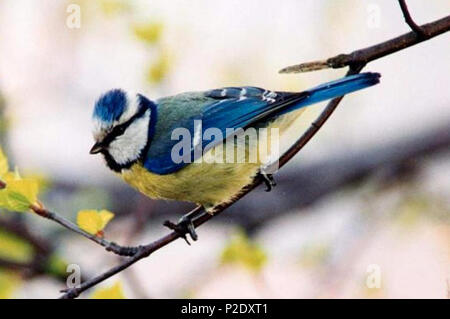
[121,128]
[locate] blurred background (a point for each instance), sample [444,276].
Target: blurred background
[362,212]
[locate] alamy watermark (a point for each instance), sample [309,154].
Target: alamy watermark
[241,146]
[74,279]
[373,279]
[73,20]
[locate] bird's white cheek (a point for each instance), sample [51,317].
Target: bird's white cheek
[128,147]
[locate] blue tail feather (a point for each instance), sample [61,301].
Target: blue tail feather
[337,88]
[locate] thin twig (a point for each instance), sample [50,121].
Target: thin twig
[143,252]
[356,63]
[109,246]
[409,20]
[377,51]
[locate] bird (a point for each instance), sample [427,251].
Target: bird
[141,139]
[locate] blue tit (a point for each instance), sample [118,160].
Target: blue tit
[136,136]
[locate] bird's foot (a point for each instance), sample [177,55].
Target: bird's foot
[268,180]
[183,227]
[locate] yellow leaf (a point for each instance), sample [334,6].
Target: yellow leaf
[10,176]
[89,221]
[158,71]
[43,181]
[4,167]
[27,187]
[93,221]
[148,32]
[244,252]
[105,217]
[114,292]
[20,193]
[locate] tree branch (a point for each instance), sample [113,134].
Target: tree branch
[366,55]
[356,61]
[409,20]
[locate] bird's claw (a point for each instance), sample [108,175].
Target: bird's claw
[268,180]
[183,227]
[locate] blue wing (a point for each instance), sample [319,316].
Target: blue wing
[221,109]
[232,107]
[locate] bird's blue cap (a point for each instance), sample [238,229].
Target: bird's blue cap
[110,106]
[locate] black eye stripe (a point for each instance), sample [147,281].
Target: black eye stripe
[120,129]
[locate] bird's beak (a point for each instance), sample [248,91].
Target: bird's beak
[97,148]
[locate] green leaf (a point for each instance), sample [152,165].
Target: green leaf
[57,266]
[26,187]
[14,201]
[14,248]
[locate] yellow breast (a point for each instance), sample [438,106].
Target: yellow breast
[202,183]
